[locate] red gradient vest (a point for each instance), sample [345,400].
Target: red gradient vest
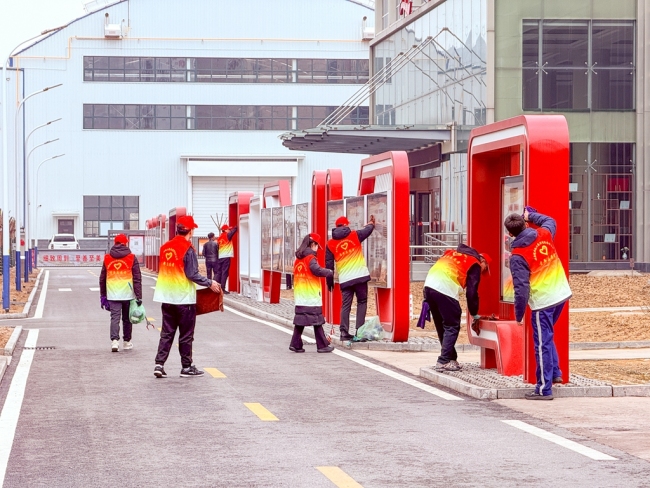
[449,275]
[226,249]
[548,283]
[119,277]
[348,256]
[173,286]
[306,286]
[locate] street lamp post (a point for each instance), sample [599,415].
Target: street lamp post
[28,268]
[19,244]
[28,223]
[38,168]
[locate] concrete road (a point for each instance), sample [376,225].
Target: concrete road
[90,417]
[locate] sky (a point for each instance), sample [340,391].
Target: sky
[22,19]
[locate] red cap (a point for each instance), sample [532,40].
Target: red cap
[121,239]
[316,238]
[487,258]
[342,220]
[225,227]
[187,221]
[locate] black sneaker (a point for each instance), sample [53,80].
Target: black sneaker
[159,371]
[346,337]
[295,349]
[191,372]
[537,396]
[326,349]
[557,379]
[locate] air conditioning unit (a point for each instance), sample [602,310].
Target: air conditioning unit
[368,34]
[113,31]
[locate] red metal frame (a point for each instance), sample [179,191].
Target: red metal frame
[333,191]
[319,225]
[272,280]
[238,204]
[494,152]
[393,303]
[174,213]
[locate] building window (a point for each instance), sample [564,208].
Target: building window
[384,14]
[578,65]
[602,196]
[211,117]
[225,70]
[103,213]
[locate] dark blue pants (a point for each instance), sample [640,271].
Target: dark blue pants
[545,350]
[120,310]
[221,274]
[211,270]
[446,313]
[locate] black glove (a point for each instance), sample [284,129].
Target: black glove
[330,283]
[139,302]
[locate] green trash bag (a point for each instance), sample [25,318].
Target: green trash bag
[371,330]
[136,312]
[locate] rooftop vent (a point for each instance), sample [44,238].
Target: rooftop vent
[112,31]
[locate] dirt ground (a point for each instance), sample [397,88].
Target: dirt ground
[609,291]
[18,299]
[623,372]
[5,333]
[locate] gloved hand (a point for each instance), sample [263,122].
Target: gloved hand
[104,303]
[330,283]
[475,326]
[138,302]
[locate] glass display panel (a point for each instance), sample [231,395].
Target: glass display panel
[355,211]
[335,209]
[277,234]
[266,239]
[302,223]
[290,244]
[378,251]
[512,201]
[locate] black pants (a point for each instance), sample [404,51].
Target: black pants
[211,270]
[321,340]
[446,314]
[221,275]
[183,318]
[288,278]
[361,291]
[120,309]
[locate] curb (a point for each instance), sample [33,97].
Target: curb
[13,340]
[4,363]
[28,305]
[609,345]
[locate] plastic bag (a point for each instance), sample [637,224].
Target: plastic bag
[371,330]
[136,312]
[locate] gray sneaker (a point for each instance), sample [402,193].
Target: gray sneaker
[191,372]
[450,366]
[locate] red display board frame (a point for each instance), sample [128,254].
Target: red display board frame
[537,147]
[390,172]
[238,204]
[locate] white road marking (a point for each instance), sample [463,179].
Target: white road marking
[94,289]
[41,299]
[560,441]
[153,287]
[14,402]
[65,289]
[362,362]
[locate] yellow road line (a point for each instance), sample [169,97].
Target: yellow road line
[159,329]
[339,477]
[151,319]
[261,412]
[214,372]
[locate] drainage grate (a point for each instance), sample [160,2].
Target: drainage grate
[39,348]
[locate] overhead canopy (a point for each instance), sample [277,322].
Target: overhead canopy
[375,139]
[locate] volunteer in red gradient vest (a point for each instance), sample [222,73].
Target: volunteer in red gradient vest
[176,290]
[540,281]
[454,272]
[120,282]
[344,249]
[307,295]
[226,251]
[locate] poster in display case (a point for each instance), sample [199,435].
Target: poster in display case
[378,249]
[266,238]
[289,238]
[277,236]
[335,209]
[355,211]
[302,222]
[512,201]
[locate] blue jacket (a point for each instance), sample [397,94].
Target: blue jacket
[518,265]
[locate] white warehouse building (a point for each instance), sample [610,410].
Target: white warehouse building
[169,103]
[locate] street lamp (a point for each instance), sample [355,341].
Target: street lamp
[27,220]
[38,168]
[17,180]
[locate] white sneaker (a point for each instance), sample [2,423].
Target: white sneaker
[127,345]
[115,346]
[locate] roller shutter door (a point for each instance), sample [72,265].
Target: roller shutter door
[210,196]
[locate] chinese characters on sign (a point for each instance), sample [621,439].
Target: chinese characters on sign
[70,258]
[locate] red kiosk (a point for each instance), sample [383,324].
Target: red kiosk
[276,194]
[513,163]
[174,213]
[238,205]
